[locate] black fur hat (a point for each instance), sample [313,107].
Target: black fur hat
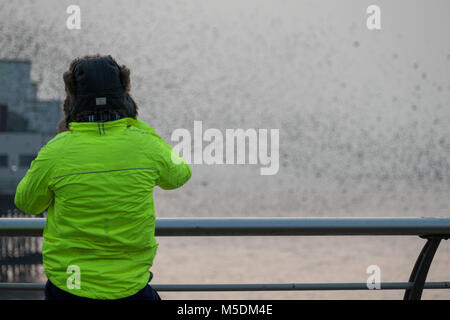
[97,84]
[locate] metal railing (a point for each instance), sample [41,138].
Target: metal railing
[432,229]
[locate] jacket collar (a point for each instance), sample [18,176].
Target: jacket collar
[101,126]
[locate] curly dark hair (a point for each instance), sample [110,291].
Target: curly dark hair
[70,88]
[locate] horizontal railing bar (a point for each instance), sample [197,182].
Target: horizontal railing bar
[266,226]
[255,286]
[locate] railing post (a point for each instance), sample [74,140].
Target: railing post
[420,271]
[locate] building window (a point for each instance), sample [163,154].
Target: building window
[3,160]
[25,160]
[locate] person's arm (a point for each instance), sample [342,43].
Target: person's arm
[33,195]
[174,171]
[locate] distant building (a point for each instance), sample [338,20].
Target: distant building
[26,123]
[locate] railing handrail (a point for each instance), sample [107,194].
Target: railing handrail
[255,286]
[266,226]
[433,229]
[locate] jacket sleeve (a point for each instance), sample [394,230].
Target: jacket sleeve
[174,171]
[33,195]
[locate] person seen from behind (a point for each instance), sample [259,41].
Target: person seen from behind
[96,178]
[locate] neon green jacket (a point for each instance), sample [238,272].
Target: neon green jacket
[97,182]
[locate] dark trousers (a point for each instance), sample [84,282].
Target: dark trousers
[52,292]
